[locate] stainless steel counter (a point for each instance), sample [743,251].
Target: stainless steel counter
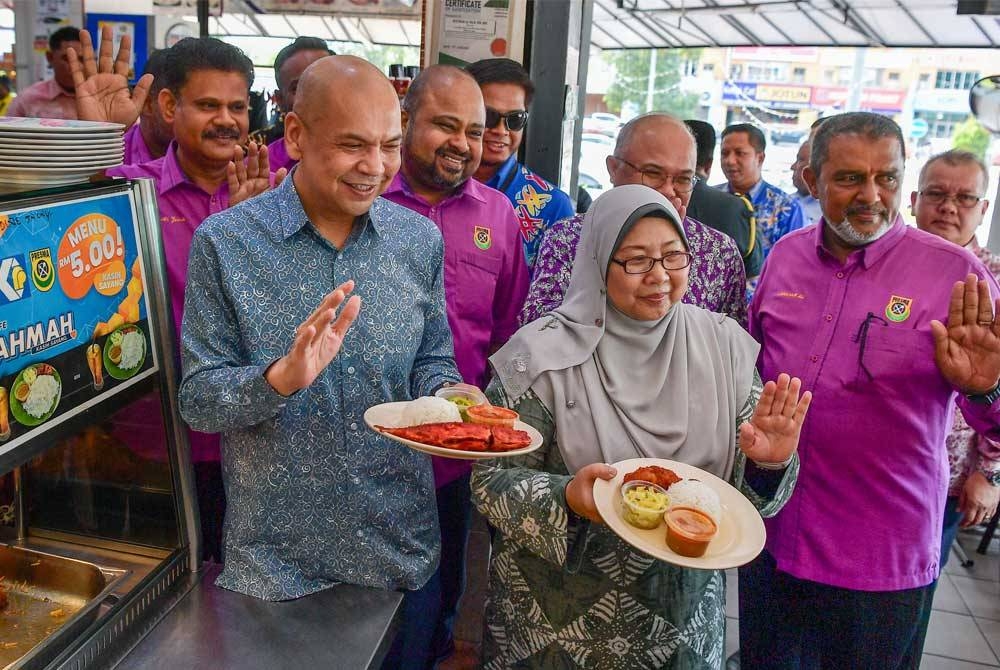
[345,626]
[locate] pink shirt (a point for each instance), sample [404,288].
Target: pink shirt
[44,100]
[485,278]
[136,151]
[183,206]
[278,156]
[867,509]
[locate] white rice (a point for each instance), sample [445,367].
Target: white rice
[696,494]
[43,394]
[133,346]
[429,409]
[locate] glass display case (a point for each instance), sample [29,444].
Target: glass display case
[98,528]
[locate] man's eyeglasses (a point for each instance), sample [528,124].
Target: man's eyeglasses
[640,265]
[963,200]
[655,179]
[514,121]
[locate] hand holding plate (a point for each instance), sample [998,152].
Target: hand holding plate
[580,490]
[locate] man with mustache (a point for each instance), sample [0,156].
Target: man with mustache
[485,273]
[204,96]
[887,325]
[949,203]
[742,157]
[507,91]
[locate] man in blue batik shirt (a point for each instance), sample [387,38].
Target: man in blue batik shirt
[507,91]
[315,498]
[742,156]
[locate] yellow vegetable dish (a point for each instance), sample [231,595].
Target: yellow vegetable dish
[644,504]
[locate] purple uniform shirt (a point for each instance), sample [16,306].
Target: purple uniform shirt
[183,206]
[485,279]
[867,509]
[278,156]
[136,151]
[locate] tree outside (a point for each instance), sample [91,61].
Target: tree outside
[971,136]
[633,88]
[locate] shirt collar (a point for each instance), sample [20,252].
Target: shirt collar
[293,217]
[867,255]
[470,188]
[53,90]
[172,175]
[502,172]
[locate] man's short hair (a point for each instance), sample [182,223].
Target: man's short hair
[155,65]
[704,139]
[63,35]
[503,71]
[754,135]
[815,124]
[870,125]
[202,53]
[301,43]
[956,157]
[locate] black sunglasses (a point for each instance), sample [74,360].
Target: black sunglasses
[515,120]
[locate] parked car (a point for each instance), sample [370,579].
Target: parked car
[602,123]
[596,140]
[788,134]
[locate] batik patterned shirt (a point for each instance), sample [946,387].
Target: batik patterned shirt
[967,448]
[314,496]
[537,202]
[777,213]
[716,279]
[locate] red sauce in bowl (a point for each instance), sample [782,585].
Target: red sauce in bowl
[689,531]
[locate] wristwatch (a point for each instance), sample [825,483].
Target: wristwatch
[992,476]
[987,398]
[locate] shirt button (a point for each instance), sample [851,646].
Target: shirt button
[840,275]
[354,426]
[814,358]
[829,317]
[350,369]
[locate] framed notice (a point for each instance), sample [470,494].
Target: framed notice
[135,27]
[464,31]
[75,326]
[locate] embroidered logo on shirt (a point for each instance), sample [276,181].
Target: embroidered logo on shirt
[791,294]
[532,200]
[482,237]
[898,309]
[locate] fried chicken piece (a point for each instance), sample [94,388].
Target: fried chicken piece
[450,435]
[654,474]
[509,439]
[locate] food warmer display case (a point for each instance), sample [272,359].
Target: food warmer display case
[98,529]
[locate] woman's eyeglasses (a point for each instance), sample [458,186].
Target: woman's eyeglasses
[640,265]
[514,121]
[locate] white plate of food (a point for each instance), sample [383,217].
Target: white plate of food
[739,530]
[452,438]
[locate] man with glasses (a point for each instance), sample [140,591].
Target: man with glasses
[658,151]
[485,274]
[507,91]
[742,157]
[856,307]
[949,204]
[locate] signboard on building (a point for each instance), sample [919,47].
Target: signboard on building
[777,96]
[872,99]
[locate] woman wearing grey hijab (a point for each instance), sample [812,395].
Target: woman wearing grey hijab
[622,370]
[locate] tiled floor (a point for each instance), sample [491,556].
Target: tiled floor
[964,633]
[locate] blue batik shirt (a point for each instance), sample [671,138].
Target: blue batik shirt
[314,496]
[777,213]
[537,203]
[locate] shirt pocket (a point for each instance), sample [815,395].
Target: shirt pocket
[473,283]
[896,359]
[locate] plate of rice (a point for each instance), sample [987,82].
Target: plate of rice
[125,351]
[740,536]
[431,409]
[35,394]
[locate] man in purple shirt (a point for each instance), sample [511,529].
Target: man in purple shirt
[205,97]
[148,139]
[485,272]
[659,151]
[289,65]
[855,306]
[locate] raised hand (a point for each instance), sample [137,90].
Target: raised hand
[772,433]
[580,490]
[251,176]
[967,351]
[101,83]
[317,342]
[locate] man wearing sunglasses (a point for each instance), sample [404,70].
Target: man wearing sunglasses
[948,204]
[507,91]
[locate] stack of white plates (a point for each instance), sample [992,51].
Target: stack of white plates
[55,152]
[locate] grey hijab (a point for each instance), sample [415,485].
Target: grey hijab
[620,388]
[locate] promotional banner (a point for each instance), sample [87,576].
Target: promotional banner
[74,315]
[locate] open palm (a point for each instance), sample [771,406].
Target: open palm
[772,434]
[102,92]
[967,350]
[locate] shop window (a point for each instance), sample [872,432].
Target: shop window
[799,75]
[955,79]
